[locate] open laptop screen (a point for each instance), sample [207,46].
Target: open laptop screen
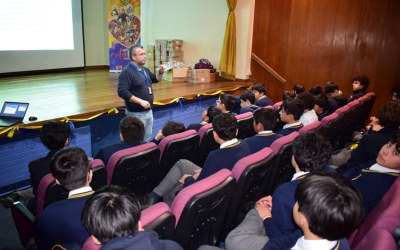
[14,109]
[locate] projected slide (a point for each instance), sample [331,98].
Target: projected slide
[36,25]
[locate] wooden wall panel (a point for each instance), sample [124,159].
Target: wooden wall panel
[314,41]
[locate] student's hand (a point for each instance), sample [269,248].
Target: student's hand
[159,135]
[182,180]
[266,200]
[263,209]
[197,173]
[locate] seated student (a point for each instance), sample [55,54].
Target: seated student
[328,209]
[375,177]
[54,135]
[332,104]
[207,116]
[226,103]
[185,173]
[169,128]
[260,93]
[247,99]
[60,221]
[290,113]
[321,106]
[288,95]
[360,85]
[331,89]
[131,132]
[112,217]
[309,116]
[264,122]
[370,144]
[298,88]
[311,152]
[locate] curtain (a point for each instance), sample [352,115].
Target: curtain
[227,64]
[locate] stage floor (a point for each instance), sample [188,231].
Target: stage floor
[84,93]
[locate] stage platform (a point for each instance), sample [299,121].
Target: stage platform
[85,94]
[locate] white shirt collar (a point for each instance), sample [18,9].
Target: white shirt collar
[79,191]
[228,143]
[262,97]
[292,124]
[298,174]
[303,244]
[265,132]
[382,169]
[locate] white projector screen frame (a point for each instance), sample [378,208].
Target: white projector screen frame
[45,56]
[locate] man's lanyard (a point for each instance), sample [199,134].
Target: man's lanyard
[141,72]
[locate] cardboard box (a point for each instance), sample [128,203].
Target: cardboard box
[174,48]
[150,56]
[200,73]
[150,48]
[174,42]
[213,77]
[199,80]
[175,53]
[176,75]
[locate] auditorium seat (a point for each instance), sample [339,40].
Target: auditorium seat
[24,222]
[160,219]
[368,103]
[245,125]
[341,127]
[354,110]
[206,144]
[312,127]
[135,168]
[200,210]
[383,220]
[99,178]
[175,147]
[329,128]
[277,105]
[250,174]
[282,170]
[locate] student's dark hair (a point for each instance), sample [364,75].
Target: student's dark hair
[389,115]
[213,112]
[70,166]
[308,100]
[132,50]
[266,117]
[298,88]
[131,129]
[364,81]
[54,134]
[311,151]
[396,92]
[330,87]
[259,87]
[171,127]
[331,204]
[110,213]
[228,100]
[293,107]
[225,125]
[323,101]
[396,139]
[248,95]
[316,90]
[288,95]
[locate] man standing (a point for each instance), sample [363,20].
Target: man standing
[134,86]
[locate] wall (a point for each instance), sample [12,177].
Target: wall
[199,23]
[316,41]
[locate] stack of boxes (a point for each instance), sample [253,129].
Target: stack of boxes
[167,51]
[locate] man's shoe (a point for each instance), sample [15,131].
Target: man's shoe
[9,199]
[147,202]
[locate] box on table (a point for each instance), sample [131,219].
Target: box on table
[174,48]
[199,73]
[176,75]
[150,48]
[199,80]
[175,53]
[174,42]
[213,77]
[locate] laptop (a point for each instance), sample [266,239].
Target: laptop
[12,113]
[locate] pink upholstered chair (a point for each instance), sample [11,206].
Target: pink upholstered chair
[99,178]
[277,105]
[329,129]
[206,144]
[135,168]
[175,147]
[383,220]
[24,222]
[312,127]
[282,170]
[48,192]
[250,173]
[245,125]
[200,210]
[160,219]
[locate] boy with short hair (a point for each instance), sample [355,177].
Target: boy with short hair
[60,221]
[290,113]
[331,89]
[112,217]
[208,116]
[247,99]
[264,121]
[169,128]
[309,115]
[226,103]
[360,85]
[260,93]
[321,106]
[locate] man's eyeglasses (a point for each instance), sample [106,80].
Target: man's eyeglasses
[141,54]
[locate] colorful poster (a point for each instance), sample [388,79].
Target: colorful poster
[123,31]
